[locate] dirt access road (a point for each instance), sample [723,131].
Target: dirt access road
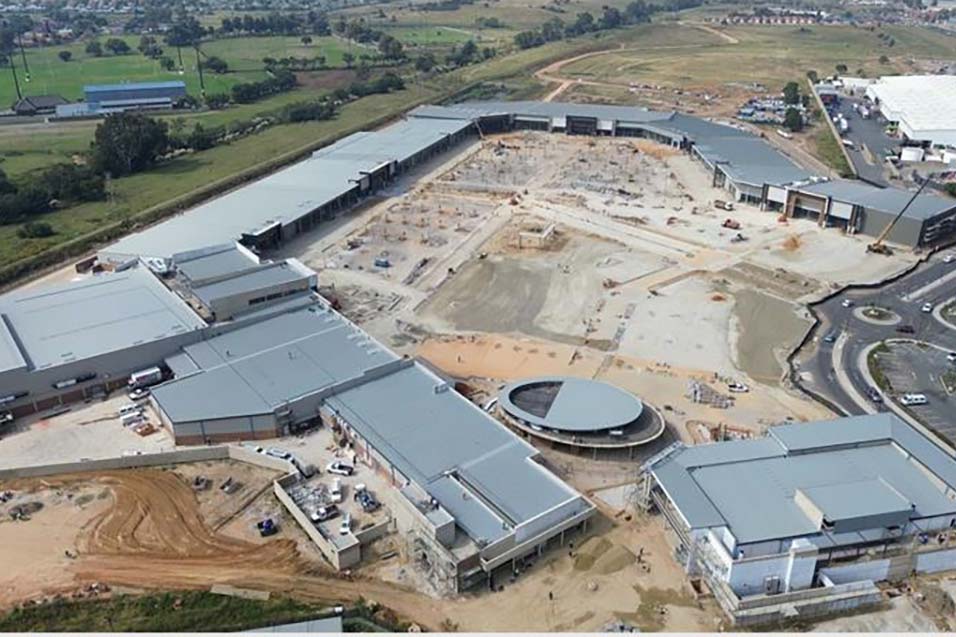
[152,536]
[551,73]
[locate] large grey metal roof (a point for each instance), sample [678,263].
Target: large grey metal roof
[455,451]
[253,369]
[749,486]
[79,320]
[472,110]
[577,404]
[889,200]
[200,266]
[287,195]
[749,160]
[263,277]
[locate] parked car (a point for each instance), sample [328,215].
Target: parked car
[367,501]
[278,453]
[847,303]
[324,513]
[927,308]
[905,329]
[737,388]
[913,399]
[267,527]
[874,395]
[949,258]
[139,393]
[340,468]
[252,447]
[129,408]
[951,357]
[346,526]
[5,417]
[335,493]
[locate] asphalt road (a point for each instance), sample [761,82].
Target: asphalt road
[868,132]
[816,369]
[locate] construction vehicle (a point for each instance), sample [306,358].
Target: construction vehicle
[723,205]
[733,224]
[878,247]
[267,527]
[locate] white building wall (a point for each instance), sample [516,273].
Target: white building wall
[875,570]
[748,577]
[936,561]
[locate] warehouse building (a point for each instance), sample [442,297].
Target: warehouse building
[804,521]
[68,342]
[134,95]
[293,200]
[923,106]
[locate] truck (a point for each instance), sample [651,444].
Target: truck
[145,377]
[723,205]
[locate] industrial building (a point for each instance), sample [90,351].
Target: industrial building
[102,99]
[250,351]
[579,414]
[923,106]
[270,211]
[807,519]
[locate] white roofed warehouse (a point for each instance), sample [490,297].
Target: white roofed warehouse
[924,106]
[805,521]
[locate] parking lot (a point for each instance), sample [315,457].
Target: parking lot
[866,133]
[319,449]
[89,430]
[918,368]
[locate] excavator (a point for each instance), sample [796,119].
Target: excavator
[878,246]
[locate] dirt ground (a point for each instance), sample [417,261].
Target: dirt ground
[149,529]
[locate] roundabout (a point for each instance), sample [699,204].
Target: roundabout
[876,315]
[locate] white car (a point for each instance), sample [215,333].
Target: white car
[335,493]
[949,258]
[913,399]
[737,388]
[927,308]
[340,468]
[278,453]
[139,393]
[847,303]
[346,527]
[951,357]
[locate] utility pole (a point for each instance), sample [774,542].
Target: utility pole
[202,84]
[16,82]
[23,56]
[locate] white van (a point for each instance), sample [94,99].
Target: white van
[131,418]
[335,493]
[129,408]
[913,399]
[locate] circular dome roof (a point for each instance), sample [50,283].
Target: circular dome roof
[570,404]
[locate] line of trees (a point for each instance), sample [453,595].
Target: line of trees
[313,22]
[282,80]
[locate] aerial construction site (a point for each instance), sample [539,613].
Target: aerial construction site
[461,389]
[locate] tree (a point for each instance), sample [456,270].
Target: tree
[306,40]
[793,120]
[841,68]
[611,18]
[348,58]
[884,59]
[813,76]
[125,143]
[117,46]
[215,64]
[66,56]
[425,62]
[35,230]
[167,63]
[791,93]
[95,49]
[6,186]
[391,48]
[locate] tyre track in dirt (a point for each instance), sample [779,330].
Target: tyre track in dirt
[154,537]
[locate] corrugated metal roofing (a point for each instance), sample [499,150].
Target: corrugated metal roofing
[215,262]
[102,313]
[253,369]
[97,88]
[266,276]
[751,489]
[581,404]
[890,200]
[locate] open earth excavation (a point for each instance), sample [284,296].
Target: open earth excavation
[490,319]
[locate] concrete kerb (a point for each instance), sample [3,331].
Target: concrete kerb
[863,366]
[844,379]
[817,322]
[938,313]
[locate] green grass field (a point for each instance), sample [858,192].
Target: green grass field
[49,74]
[246,53]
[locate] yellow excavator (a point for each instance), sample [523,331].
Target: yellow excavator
[878,246]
